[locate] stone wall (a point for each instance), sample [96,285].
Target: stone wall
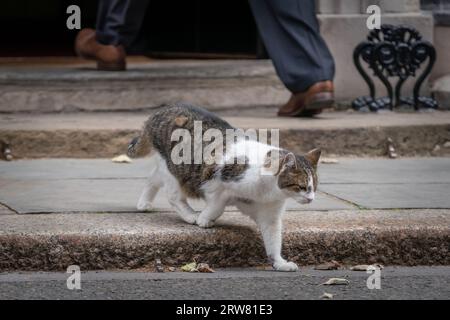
[441,14]
[343,25]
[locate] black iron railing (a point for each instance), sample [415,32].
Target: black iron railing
[394,52]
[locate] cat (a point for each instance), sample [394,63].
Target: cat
[258,185]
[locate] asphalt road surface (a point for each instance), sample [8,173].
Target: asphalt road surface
[396,283]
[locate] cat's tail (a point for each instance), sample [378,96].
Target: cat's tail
[140,146]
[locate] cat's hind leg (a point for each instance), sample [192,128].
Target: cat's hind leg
[178,200]
[151,188]
[268,219]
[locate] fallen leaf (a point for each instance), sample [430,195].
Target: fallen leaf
[190,267]
[204,267]
[171,269]
[329,161]
[123,158]
[332,265]
[327,296]
[364,267]
[336,281]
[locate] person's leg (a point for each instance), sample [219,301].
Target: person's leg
[290,32]
[118,24]
[119,21]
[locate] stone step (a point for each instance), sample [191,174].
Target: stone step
[134,240]
[59,212]
[68,85]
[441,91]
[100,135]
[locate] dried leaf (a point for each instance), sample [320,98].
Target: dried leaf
[204,267]
[123,158]
[327,295]
[171,269]
[190,267]
[332,265]
[336,281]
[329,161]
[364,267]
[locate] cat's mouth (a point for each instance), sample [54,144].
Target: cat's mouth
[304,200]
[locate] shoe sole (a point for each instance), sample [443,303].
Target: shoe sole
[322,100]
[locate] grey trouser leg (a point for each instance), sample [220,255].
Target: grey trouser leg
[290,31]
[119,21]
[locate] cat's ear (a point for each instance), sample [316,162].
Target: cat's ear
[313,156]
[279,162]
[288,161]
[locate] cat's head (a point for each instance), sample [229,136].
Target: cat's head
[297,175]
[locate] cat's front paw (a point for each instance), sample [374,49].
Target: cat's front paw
[190,218]
[144,206]
[285,266]
[204,223]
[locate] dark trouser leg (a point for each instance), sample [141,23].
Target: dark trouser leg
[290,31]
[119,21]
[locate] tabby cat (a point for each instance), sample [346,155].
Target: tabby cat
[258,185]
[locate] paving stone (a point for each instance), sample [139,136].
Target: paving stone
[384,196]
[106,195]
[70,185]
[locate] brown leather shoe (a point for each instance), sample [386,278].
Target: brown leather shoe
[108,57]
[310,102]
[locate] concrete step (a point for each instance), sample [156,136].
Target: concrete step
[67,85]
[93,135]
[134,240]
[58,212]
[441,91]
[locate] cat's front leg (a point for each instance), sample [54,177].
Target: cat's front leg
[183,209]
[269,221]
[215,207]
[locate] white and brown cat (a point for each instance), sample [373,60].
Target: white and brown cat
[257,186]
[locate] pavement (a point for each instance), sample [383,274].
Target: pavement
[99,185]
[57,212]
[396,283]
[345,133]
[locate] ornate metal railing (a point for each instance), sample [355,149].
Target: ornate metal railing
[394,52]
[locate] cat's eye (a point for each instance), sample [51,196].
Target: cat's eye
[297,188]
